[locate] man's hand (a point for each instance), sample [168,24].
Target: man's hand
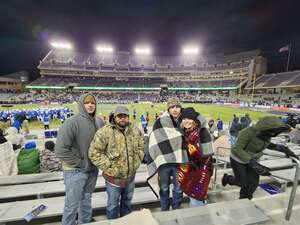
[288,152]
[259,169]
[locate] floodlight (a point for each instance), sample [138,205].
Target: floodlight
[104,48]
[190,50]
[142,50]
[61,45]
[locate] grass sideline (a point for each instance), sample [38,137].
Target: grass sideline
[207,110]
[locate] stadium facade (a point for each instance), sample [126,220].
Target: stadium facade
[124,71]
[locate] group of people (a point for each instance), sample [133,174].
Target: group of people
[237,125]
[21,118]
[85,145]
[179,152]
[19,157]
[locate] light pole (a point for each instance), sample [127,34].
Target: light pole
[253,86]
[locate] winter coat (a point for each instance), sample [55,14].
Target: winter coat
[49,162]
[117,153]
[295,135]
[235,127]
[15,138]
[28,161]
[250,145]
[74,138]
[8,160]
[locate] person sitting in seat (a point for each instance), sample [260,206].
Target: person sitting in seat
[294,135]
[17,139]
[8,159]
[48,159]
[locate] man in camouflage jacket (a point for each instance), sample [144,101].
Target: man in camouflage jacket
[118,149]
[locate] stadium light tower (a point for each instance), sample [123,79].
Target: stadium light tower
[190,50]
[64,45]
[142,50]
[104,48]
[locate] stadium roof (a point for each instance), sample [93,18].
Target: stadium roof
[133,88]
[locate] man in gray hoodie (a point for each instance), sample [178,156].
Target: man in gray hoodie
[72,147]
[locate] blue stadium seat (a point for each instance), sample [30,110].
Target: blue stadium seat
[47,134]
[54,133]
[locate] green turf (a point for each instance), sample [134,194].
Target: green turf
[211,111]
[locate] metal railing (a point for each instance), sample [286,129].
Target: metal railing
[295,163]
[217,163]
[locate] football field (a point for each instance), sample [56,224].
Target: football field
[207,110]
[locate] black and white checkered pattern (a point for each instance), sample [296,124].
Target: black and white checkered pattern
[165,144]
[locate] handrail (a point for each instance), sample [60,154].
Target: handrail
[295,184]
[216,165]
[294,189]
[295,180]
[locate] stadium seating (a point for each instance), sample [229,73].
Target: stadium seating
[287,79]
[226,203]
[40,189]
[65,63]
[218,213]
[125,71]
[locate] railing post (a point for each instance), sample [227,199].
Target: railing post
[293,191]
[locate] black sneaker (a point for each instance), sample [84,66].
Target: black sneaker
[224,179]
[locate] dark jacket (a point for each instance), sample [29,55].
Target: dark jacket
[253,140]
[244,122]
[235,127]
[74,138]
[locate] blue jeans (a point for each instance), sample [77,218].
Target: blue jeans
[118,200]
[165,174]
[196,203]
[79,187]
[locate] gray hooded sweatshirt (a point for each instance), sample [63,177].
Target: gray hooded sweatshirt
[74,138]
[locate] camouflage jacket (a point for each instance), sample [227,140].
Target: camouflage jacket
[49,162]
[118,154]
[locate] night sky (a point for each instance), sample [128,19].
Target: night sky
[222,26]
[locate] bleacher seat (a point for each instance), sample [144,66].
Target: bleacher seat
[47,134]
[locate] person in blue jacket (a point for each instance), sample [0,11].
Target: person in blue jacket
[46,121]
[219,124]
[144,124]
